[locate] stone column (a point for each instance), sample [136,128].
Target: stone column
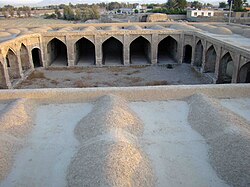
[126,50]
[70,50]
[154,48]
[30,56]
[193,50]
[20,70]
[42,50]
[237,62]
[98,50]
[46,59]
[217,64]
[204,57]
[6,82]
[180,49]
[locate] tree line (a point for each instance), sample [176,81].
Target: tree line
[9,10]
[84,11]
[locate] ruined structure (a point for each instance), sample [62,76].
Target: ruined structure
[214,50]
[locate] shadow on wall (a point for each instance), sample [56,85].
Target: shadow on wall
[167,50]
[140,51]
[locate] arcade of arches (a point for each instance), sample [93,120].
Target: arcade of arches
[139,51]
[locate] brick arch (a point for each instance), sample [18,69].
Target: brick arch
[36,57]
[84,52]
[161,37]
[24,56]
[210,59]
[244,73]
[57,52]
[77,38]
[200,40]
[140,51]
[112,51]
[9,49]
[136,37]
[226,67]
[117,38]
[187,53]
[12,65]
[167,50]
[198,53]
[56,39]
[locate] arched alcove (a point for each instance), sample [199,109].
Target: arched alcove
[12,65]
[198,55]
[167,50]
[57,53]
[24,56]
[36,57]
[140,51]
[225,69]
[85,52]
[112,52]
[187,54]
[244,73]
[210,60]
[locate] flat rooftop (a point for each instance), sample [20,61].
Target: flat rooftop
[192,135]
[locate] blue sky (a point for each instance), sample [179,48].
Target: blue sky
[91,1]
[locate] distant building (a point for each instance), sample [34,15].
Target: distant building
[200,13]
[126,10]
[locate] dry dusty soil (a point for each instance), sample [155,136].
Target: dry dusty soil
[113,77]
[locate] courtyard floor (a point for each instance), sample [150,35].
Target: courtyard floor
[113,77]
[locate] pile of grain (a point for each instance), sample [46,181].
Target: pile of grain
[228,136]
[109,154]
[15,124]
[109,112]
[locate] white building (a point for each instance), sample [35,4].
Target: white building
[200,13]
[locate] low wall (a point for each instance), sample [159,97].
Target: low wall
[173,92]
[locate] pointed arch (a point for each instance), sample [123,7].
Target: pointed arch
[112,51]
[115,37]
[167,50]
[198,54]
[12,65]
[57,53]
[187,54]
[24,56]
[84,52]
[244,73]
[140,36]
[210,60]
[140,51]
[225,69]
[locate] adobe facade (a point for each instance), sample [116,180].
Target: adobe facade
[126,44]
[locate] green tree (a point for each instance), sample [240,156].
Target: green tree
[68,13]
[78,14]
[5,12]
[182,4]
[238,5]
[222,5]
[11,12]
[196,4]
[26,11]
[19,11]
[113,5]
[58,13]
[171,4]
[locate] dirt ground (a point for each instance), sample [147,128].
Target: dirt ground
[113,77]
